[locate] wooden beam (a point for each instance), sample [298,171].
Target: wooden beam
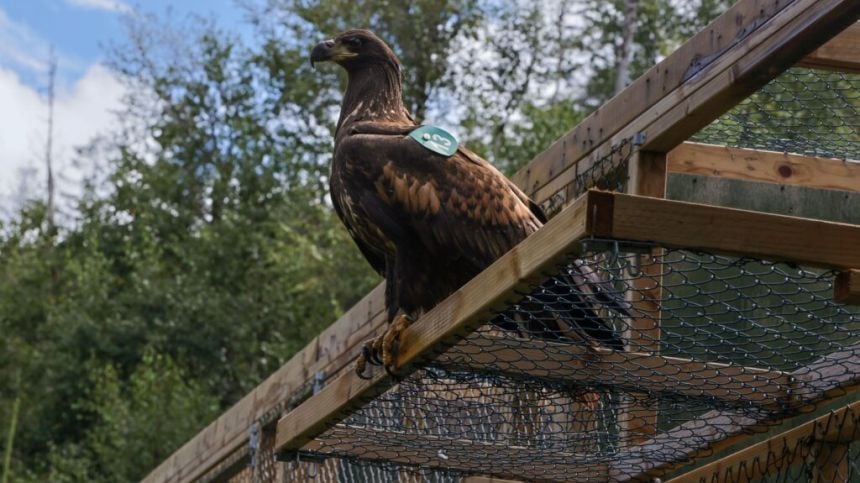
[678,224]
[686,106]
[842,53]
[831,376]
[445,325]
[765,166]
[637,419]
[721,38]
[832,462]
[487,479]
[764,457]
[846,289]
[636,371]
[328,353]
[469,456]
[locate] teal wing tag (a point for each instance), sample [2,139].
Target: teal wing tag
[436,139]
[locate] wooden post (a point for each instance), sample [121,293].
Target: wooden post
[841,54]
[637,418]
[846,288]
[831,463]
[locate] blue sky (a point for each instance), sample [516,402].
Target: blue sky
[80,29]
[87,93]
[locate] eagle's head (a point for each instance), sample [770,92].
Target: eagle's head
[355,49]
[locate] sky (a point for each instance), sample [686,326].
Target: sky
[87,93]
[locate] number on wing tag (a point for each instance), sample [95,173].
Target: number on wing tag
[435,139]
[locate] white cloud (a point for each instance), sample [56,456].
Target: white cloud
[85,95]
[80,113]
[108,5]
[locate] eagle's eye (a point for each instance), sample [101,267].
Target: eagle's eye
[353,41]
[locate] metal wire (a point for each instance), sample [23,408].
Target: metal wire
[502,389]
[803,111]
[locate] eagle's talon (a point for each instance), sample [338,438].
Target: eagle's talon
[392,374]
[367,354]
[361,364]
[377,345]
[391,340]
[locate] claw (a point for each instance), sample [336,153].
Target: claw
[376,353]
[361,364]
[383,350]
[367,353]
[391,340]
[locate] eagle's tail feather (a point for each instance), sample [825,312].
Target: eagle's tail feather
[568,307]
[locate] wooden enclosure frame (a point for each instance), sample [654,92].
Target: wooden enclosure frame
[670,224]
[747,46]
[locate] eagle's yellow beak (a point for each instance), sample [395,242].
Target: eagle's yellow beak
[329,50]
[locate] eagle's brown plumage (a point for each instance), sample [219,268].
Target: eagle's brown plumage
[426,222]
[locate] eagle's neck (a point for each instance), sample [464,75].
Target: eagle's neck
[373,93]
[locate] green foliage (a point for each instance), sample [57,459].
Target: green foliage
[661,27]
[423,34]
[135,422]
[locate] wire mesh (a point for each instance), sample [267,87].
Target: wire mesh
[802,111]
[811,455]
[609,172]
[537,395]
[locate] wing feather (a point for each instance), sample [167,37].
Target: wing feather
[458,206]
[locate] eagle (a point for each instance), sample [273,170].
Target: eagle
[427,221]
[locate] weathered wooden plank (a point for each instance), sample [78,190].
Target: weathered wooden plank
[807,24]
[678,224]
[699,437]
[846,290]
[632,371]
[832,462]
[726,34]
[763,458]
[764,54]
[453,318]
[638,418]
[834,205]
[842,53]
[487,479]
[765,166]
[431,451]
[831,376]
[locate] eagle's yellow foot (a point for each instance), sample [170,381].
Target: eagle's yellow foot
[382,350]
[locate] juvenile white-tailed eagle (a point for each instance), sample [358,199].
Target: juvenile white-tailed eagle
[429,222]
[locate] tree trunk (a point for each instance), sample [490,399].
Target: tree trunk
[625,56]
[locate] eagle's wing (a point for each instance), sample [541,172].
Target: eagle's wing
[458,206]
[373,257]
